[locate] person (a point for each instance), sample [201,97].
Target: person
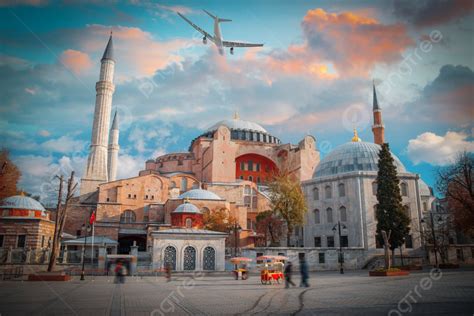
[168,271]
[304,272]
[119,272]
[288,271]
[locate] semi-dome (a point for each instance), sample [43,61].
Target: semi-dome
[187,208]
[424,188]
[199,194]
[21,202]
[238,124]
[353,156]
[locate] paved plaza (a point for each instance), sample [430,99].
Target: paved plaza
[354,293]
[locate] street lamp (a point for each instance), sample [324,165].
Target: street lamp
[337,227]
[236,230]
[435,246]
[85,228]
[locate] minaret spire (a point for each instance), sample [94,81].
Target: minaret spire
[96,169]
[113,148]
[378,129]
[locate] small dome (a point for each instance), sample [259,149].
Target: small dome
[21,202]
[199,194]
[353,156]
[187,208]
[238,124]
[424,188]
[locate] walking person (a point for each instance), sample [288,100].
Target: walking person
[304,273]
[119,272]
[288,271]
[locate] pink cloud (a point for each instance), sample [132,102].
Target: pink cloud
[75,60]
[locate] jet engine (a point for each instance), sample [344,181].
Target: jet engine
[232,51]
[204,40]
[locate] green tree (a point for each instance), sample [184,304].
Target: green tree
[287,200]
[390,213]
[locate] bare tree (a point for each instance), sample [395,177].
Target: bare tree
[61,211]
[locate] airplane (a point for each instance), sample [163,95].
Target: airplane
[217,38]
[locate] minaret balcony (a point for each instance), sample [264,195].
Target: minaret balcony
[105,85]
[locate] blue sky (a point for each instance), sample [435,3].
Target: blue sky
[314,75]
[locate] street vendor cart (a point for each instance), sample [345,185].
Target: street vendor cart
[240,270]
[271,270]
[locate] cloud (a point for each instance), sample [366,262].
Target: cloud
[75,60]
[353,43]
[431,12]
[438,150]
[44,133]
[64,144]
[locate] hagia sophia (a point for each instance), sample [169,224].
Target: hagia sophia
[227,167]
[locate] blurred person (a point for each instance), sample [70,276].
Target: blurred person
[304,272]
[288,272]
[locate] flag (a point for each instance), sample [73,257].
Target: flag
[92,218]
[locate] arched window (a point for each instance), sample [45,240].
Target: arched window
[184,184]
[374,188]
[315,194]
[250,178]
[317,216]
[329,215]
[172,185]
[343,214]
[209,259]
[341,189]
[404,189]
[128,217]
[170,257]
[189,259]
[189,222]
[195,185]
[328,192]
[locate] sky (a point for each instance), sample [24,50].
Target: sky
[314,75]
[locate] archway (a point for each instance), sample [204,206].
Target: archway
[126,242]
[189,258]
[209,259]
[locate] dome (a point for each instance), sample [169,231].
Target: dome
[21,202]
[424,188]
[353,156]
[238,124]
[199,194]
[187,208]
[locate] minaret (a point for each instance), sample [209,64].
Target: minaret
[96,170]
[113,149]
[377,128]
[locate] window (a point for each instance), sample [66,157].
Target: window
[108,199]
[242,166]
[146,197]
[134,196]
[374,188]
[250,178]
[317,241]
[128,217]
[315,194]
[329,215]
[250,165]
[330,241]
[404,189]
[129,196]
[317,217]
[344,241]
[258,180]
[21,241]
[189,222]
[322,257]
[341,189]
[195,185]
[152,197]
[1,241]
[184,184]
[257,166]
[408,242]
[425,206]
[78,232]
[328,192]
[241,177]
[343,214]
[173,185]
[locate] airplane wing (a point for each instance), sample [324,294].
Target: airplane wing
[238,44]
[207,35]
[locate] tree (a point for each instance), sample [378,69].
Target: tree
[269,225]
[218,220]
[390,213]
[9,175]
[287,200]
[456,184]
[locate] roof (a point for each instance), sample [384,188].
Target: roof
[424,188]
[353,156]
[189,231]
[375,103]
[238,124]
[200,194]
[115,121]
[109,50]
[21,202]
[187,208]
[98,240]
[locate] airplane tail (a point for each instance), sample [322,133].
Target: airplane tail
[215,17]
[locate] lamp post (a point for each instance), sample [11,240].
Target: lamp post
[85,228]
[341,256]
[435,245]
[236,229]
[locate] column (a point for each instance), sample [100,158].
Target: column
[133,262]
[102,257]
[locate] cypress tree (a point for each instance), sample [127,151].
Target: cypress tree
[390,213]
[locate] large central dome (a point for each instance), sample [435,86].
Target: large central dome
[238,124]
[353,156]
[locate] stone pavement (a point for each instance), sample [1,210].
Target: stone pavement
[354,293]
